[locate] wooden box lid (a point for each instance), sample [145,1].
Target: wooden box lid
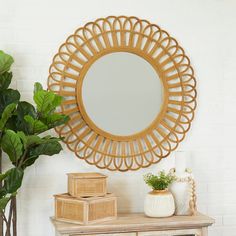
[84,199]
[88,175]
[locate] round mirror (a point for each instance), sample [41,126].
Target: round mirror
[129,90]
[122,93]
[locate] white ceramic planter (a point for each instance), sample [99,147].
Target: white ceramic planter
[159,203]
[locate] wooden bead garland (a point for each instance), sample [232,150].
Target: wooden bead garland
[192,189]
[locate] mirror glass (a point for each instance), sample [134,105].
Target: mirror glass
[122,93]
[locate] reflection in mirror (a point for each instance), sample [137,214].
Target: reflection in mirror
[122,93]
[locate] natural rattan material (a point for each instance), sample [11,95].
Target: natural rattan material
[133,35]
[85,210]
[87,184]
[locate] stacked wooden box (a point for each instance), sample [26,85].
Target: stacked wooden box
[87,200]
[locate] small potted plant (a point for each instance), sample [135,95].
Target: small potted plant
[159,202]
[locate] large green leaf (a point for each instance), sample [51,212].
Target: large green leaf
[48,148]
[33,140]
[43,100]
[36,140]
[29,161]
[12,123]
[50,139]
[13,180]
[17,121]
[35,126]
[37,87]
[5,62]
[7,97]
[25,108]
[23,138]
[3,202]
[7,113]
[5,80]
[11,144]
[56,101]
[3,176]
[55,119]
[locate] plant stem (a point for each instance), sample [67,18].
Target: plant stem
[22,158]
[14,219]
[10,216]
[8,223]
[4,219]
[3,216]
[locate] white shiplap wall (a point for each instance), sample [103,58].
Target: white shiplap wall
[32,30]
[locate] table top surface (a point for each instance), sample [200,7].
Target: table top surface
[135,222]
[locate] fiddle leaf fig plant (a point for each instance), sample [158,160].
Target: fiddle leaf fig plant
[22,139]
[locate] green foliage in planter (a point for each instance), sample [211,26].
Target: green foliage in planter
[21,129]
[160,181]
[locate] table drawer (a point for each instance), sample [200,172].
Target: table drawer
[179,232]
[117,234]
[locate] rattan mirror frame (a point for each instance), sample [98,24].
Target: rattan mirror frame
[124,34]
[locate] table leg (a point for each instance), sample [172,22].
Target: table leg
[204,231]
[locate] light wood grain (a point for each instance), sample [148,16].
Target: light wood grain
[127,223]
[179,232]
[204,231]
[118,234]
[87,175]
[166,56]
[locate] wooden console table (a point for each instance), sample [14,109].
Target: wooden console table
[139,225]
